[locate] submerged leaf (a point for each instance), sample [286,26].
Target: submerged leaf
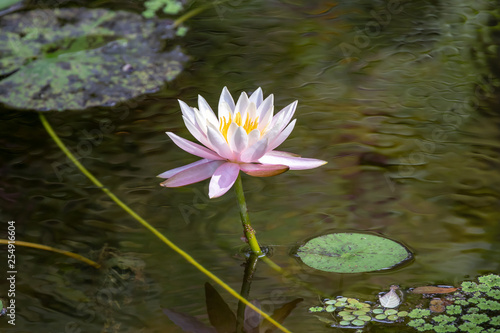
[75,58]
[352,253]
[187,323]
[279,315]
[220,315]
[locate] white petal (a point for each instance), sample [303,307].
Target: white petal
[187,111]
[226,97]
[282,136]
[218,143]
[294,162]
[241,105]
[238,141]
[282,118]
[224,111]
[194,148]
[251,111]
[253,137]
[200,121]
[256,97]
[265,112]
[196,132]
[254,152]
[206,110]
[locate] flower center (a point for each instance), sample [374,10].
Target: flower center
[247,124]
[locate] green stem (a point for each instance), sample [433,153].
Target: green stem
[250,267]
[245,220]
[148,226]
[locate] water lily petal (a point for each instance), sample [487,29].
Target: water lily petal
[193,174]
[282,118]
[253,137]
[223,179]
[207,111]
[265,112]
[294,162]
[256,97]
[254,152]
[193,148]
[263,170]
[239,140]
[224,112]
[196,131]
[282,136]
[218,142]
[225,97]
[173,172]
[241,105]
[186,110]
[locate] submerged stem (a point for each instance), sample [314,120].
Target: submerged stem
[245,220]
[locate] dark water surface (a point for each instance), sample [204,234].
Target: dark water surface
[398,97]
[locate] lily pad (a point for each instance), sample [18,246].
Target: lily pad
[75,58]
[352,253]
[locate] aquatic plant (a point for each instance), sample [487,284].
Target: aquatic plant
[241,138]
[471,308]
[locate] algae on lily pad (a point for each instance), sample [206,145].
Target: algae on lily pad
[75,58]
[352,253]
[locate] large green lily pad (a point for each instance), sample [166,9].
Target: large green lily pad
[75,58]
[352,253]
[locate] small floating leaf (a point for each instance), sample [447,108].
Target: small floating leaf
[390,299]
[358,322]
[352,253]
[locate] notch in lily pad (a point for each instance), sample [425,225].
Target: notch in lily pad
[353,253]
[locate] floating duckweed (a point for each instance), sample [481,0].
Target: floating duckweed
[443,319]
[477,318]
[348,317]
[380,316]
[340,304]
[390,312]
[494,293]
[402,313]
[461,302]
[445,328]
[365,305]
[345,323]
[416,322]
[473,310]
[330,308]
[360,312]
[358,322]
[453,309]
[345,313]
[316,309]
[352,300]
[419,313]
[491,280]
[378,310]
[495,321]
[331,301]
[365,318]
[470,327]
[469,287]
[342,299]
[392,317]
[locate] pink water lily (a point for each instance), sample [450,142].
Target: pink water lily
[242,137]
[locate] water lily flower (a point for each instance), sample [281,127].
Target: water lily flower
[242,137]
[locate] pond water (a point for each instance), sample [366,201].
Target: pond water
[398,97]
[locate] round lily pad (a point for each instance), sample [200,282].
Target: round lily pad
[352,253]
[75,58]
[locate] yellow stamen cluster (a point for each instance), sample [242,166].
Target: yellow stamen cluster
[248,125]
